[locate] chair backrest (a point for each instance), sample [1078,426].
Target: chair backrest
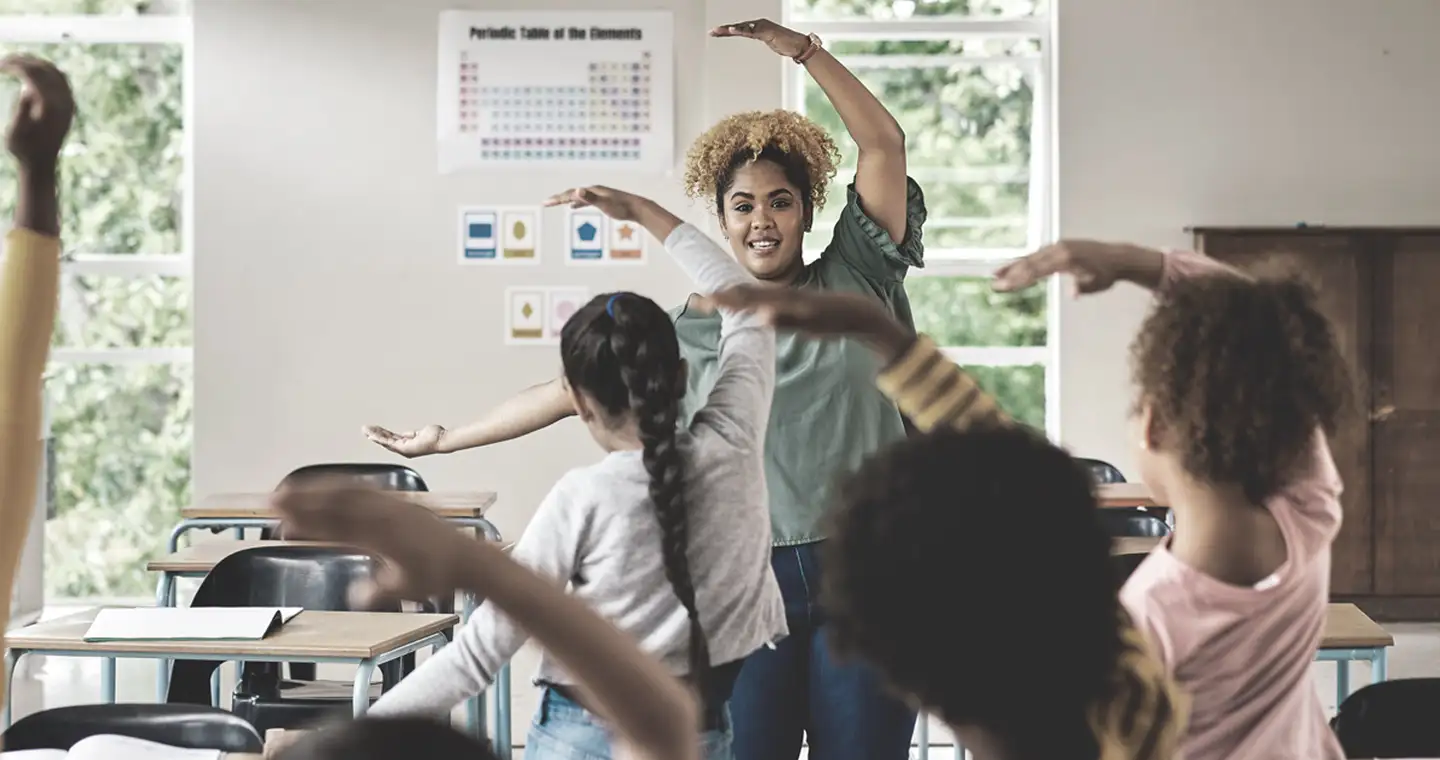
[184,726]
[1102,472]
[1133,522]
[387,477]
[312,577]
[1391,719]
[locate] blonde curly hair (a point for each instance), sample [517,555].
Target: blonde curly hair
[744,136]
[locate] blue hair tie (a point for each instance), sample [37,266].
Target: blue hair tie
[610,305]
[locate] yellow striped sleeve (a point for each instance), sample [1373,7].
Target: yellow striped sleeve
[935,392]
[1144,719]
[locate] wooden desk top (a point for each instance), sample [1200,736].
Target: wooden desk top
[350,635]
[203,557]
[257,505]
[1134,544]
[1347,627]
[1125,495]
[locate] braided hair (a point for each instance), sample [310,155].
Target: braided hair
[621,349]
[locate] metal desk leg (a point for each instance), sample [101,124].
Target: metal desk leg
[12,657]
[107,680]
[360,697]
[959,749]
[1380,666]
[164,597]
[1342,682]
[922,739]
[502,712]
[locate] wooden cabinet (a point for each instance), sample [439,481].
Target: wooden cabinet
[1381,287]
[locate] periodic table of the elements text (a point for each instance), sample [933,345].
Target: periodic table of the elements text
[519,88]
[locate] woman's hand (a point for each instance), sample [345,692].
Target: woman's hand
[416,443]
[1094,266]
[786,42]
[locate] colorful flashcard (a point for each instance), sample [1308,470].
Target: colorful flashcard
[560,304]
[525,315]
[627,241]
[587,236]
[598,239]
[500,235]
[478,230]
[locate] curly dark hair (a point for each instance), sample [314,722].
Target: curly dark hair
[802,148]
[1239,373]
[971,570]
[621,349]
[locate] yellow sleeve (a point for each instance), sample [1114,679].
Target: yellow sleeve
[29,280]
[1146,713]
[935,392]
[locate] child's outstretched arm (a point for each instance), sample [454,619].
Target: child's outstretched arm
[931,390]
[425,557]
[532,409]
[29,282]
[739,403]
[1095,266]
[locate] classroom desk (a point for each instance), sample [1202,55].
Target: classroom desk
[364,639]
[196,560]
[254,510]
[1114,495]
[1351,635]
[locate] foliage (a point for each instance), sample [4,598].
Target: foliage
[122,432]
[967,128]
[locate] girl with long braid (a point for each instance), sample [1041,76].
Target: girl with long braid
[666,536]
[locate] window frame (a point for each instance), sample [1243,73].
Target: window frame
[172,29]
[1040,223]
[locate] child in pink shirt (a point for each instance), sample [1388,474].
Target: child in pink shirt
[1240,380]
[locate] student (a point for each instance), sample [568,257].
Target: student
[1239,380]
[767,174]
[1022,665]
[666,536]
[29,284]
[653,714]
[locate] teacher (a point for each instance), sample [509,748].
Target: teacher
[767,174]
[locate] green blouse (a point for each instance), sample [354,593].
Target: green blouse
[828,415]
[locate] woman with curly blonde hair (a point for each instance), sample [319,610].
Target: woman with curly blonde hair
[767,174]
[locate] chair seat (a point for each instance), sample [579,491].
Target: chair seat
[339,691]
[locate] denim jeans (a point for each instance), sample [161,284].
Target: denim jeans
[798,688]
[563,730]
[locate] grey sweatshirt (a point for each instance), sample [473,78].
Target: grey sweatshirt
[598,525]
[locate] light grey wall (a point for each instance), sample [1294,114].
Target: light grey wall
[1173,114]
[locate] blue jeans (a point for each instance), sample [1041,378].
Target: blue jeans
[799,688]
[563,730]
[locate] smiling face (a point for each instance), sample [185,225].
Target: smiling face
[764,215]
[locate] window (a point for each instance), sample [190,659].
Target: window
[119,382]
[967,80]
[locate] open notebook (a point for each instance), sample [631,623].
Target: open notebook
[112,747]
[203,623]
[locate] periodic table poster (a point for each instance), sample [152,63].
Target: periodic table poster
[591,89]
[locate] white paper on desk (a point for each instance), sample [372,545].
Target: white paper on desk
[193,623]
[113,747]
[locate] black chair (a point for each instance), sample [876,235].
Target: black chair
[1125,565]
[1102,472]
[1133,522]
[1391,719]
[312,577]
[386,477]
[184,726]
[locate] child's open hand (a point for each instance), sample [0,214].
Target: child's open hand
[1094,266]
[43,112]
[415,443]
[819,313]
[420,552]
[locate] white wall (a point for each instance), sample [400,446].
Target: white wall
[326,289]
[1174,114]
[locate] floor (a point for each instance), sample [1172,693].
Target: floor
[51,681]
